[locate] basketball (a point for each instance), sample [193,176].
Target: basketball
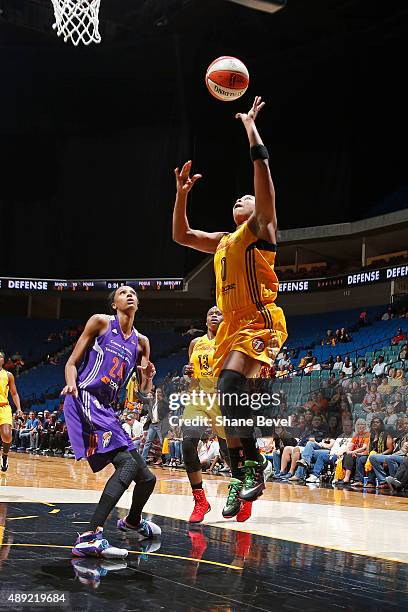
[227,78]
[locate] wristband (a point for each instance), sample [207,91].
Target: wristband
[259,152]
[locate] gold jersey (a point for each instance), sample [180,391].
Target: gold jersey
[202,358]
[244,271]
[4,388]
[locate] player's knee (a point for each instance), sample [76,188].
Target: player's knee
[190,455]
[126,466]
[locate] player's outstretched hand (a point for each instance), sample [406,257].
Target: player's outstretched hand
[148,371]
[253,113]
[183,179]
[70,390]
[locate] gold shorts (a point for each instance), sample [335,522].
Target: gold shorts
[206,412]
[258,334]
[6,418]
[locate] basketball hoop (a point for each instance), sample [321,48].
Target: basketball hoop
[77,20]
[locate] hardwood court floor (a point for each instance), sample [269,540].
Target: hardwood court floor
[304,546]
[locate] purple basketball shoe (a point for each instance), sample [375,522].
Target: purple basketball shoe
[93,544]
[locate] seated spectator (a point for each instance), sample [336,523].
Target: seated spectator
[308,456]
[306,359]
[332,381]
[338,364]
[363,319]
[388,314]
[362,367]
[133,428]
[337,335]
[313,366]
[329,363]
[28,432]
[384,388]
[345,382]
[391,460]
[371,396]
[355,394]
[19,419]
[282,371]
[292,454]
[9,365]
[347,367]
[284,360]
[381,442]
[403,388]
[399,376]
[333,426]
[358,447]
[392,380]
[330,339]
[344,335]
[400,480]
[403,352]
[399,337]
[331,456]
[208,452]
[280,439]
[379,368]
[391,418]
[376,410]
[398,403]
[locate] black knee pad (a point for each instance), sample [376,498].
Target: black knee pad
[126,467]
[143,472]
[190,455]
[233,390]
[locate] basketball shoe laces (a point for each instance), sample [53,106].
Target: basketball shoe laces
[233,491]
[253,474]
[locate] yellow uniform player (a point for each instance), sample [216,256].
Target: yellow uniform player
[7,385]
[254,327]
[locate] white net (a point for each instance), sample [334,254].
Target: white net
[77,20]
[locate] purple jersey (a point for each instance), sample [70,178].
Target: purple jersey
[108,364]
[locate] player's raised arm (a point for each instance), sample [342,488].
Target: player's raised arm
[182,232]
[94,327]
[264,221]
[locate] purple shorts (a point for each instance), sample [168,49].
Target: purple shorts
[94,430]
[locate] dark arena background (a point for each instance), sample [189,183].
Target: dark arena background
[90,137]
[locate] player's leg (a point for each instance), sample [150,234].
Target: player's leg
[232,386]
[6,436]
[145,482]
[194,473]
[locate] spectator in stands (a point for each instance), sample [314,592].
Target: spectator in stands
[193,330]
[359,446]
[158,410]
[399,376]
[133,428]
[362,367]
[384,388]
[337,335]
[332,381]
[344,335]
[403,352]
[284,360]
[329,363]
[392,460]
[347,368]
[208,450]
[292,454]
[371,396]
[29,429]
[308,456]
[175,440]
[19,419]
[9,365]
[379,368]
[398,403]
[400,480]
[338,364]
[388,314]
[403,388]
[330,339]
[313,366]
[331,456]
[382,443]
[392,380]
[376,410]
[363,319]
[399,337]
[306,359]
[333,426]
[355,394]
[344,382]
[391,418]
